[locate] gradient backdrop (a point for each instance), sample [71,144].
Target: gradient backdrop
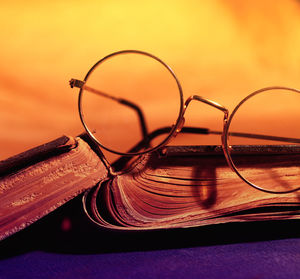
[220,49]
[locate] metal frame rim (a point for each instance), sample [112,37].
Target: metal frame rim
[81,114]
[226,145]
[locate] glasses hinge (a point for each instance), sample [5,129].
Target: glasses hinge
[76,83]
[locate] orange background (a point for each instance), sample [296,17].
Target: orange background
[222,50]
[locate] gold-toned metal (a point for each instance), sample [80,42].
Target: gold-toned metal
[81,84]
[82,87]
[179,123]
[227,148]
[206,101]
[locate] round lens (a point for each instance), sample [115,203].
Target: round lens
[130,102]
[263,139]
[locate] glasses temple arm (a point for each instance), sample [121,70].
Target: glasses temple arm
[121,162]
[166,130]
[80,84]
[206,131]
[257,136]
[140,116]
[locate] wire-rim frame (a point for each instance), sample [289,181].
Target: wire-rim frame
[174,127]
[226,146]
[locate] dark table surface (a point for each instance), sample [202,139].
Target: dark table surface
[65,244]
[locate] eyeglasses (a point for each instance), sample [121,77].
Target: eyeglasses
[131,102]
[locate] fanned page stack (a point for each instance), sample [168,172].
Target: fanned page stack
[186,187]
[179,187]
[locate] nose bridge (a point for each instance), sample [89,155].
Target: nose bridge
[208,102]
[212,104]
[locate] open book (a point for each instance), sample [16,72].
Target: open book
[183,186]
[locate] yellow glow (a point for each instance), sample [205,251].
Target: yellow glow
[219,49]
